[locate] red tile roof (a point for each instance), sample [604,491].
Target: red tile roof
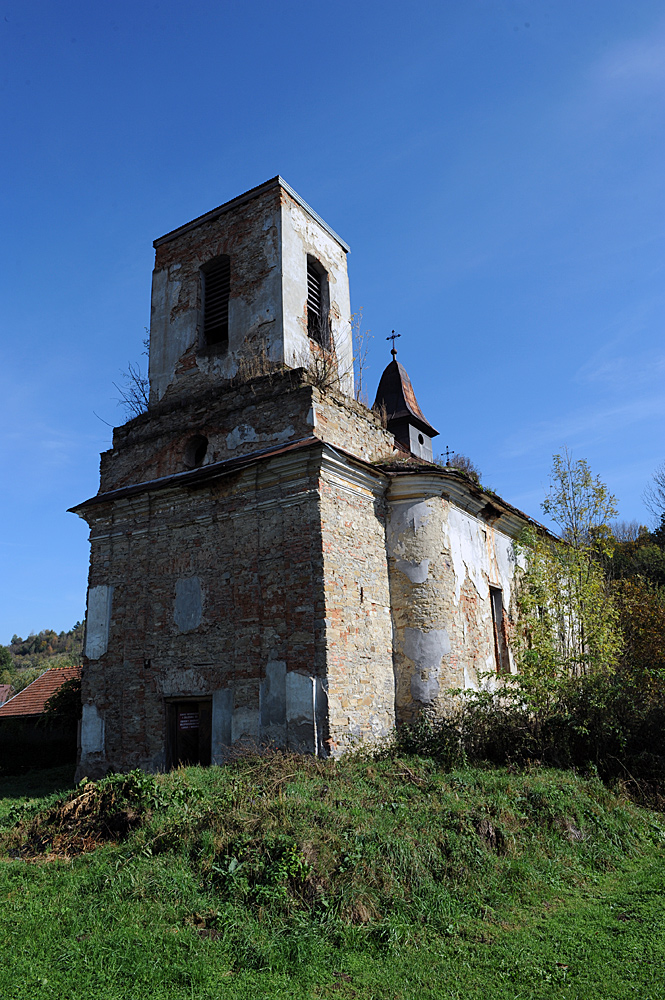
[31,700]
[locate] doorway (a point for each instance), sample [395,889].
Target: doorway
[190,731]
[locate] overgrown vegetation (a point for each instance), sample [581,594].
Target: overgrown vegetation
[588,632]
[287,876]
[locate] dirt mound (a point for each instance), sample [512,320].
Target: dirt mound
[95,813]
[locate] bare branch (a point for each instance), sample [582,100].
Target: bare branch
[135,391]
[361,339]
[654,494]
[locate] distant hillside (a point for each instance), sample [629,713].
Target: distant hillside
[25,659]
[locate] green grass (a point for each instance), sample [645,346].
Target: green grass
[292,877]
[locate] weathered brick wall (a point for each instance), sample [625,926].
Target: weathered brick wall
[239,419]
[268,235]
[361,689]
[250,546]
[266,589]
[236,419]
[250,233]
[351,426]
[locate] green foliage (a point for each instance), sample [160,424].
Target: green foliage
[577,501]
[462,463]
[642,555]
[567,619]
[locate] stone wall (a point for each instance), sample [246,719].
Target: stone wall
[212,592]
[268,234]
[251,589]
[361,687]
[238,419]
[442,561]
[250,233]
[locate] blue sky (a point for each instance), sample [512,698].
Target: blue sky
[495,165]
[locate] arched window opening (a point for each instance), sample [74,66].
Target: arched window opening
[215,289]
[196,451]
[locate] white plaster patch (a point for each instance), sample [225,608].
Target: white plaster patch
[299,697]
[92,730]
[300,711]
[188,607]
[468,682]
[272,696]
[245,725]
[468,549]
[407,516]
[182,681]
[242,434]
[222,719]
[245,434]
[415,571]
[97,621]
[426,649]
[425,686]
[506,562]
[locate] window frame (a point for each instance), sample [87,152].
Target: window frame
[211,340]
[501,651]
[320,336]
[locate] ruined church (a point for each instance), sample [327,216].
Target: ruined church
[271,560]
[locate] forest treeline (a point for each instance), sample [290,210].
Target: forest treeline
[23,660]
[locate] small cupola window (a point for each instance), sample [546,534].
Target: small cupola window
[215,290]
[317,302]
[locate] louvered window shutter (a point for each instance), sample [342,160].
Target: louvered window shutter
[216,288]
[315,324]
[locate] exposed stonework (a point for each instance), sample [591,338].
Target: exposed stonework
[442,561]
[241,419]
[267,563]
[268,233]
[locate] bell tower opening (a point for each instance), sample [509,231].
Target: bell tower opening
[215,292]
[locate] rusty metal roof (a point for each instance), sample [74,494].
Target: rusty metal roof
[31,700]
[396,393]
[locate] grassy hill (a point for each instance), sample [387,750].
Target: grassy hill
[286,876]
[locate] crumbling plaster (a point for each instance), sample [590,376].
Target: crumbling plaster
[251,235]
[276,409]
[442,561]
[303,236]
[268,240]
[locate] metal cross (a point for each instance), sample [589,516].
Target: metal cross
[449,455]
[394,338]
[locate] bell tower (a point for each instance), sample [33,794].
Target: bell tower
[260,281]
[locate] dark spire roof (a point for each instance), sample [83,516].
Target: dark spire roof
[396,393]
